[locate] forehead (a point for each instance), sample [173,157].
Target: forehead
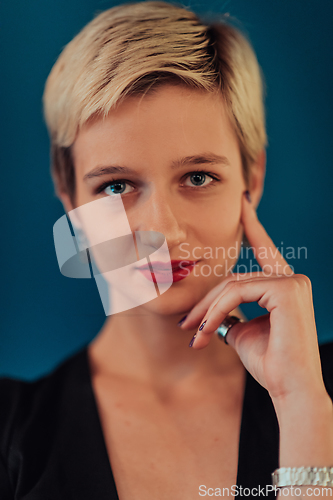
[170,122]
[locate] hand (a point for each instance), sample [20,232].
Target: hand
[279,349]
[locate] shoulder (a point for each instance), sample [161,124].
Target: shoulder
[37,419]
[25,404]
[326,356]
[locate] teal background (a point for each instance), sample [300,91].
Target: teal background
[45,317]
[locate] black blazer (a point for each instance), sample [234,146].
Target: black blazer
[52,445]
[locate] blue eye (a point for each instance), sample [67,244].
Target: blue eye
[198,179]
[117,187]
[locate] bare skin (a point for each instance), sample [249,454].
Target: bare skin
[170,414]
[153,428]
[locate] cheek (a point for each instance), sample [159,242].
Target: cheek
[226,241]
[221,231]
[83,194]
[224,219]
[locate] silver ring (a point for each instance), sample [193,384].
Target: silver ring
[226,325]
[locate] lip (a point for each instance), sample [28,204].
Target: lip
[161,272]
[165,266]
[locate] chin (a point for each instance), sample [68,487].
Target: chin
[176,300]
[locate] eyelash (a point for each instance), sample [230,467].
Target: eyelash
[103,186]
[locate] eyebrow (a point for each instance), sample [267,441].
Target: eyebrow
[202,159]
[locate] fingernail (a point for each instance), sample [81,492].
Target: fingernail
[193,339]
[203,324]
[248,196]
[182,320]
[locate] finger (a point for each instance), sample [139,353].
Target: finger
[236,293]
[248,333]
[264,250]
[196,315]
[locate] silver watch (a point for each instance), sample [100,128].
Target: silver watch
[298,476]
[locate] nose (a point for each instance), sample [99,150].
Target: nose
[159,214]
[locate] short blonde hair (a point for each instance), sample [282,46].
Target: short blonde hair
[133,48]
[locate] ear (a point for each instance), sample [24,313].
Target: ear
[66,201]
[257,178]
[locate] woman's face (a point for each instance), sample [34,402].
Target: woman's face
[180,175]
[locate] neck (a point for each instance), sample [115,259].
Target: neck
[152,349]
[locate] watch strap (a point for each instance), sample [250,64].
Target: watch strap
[298,476]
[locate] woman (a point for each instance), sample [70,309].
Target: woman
[153,111]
